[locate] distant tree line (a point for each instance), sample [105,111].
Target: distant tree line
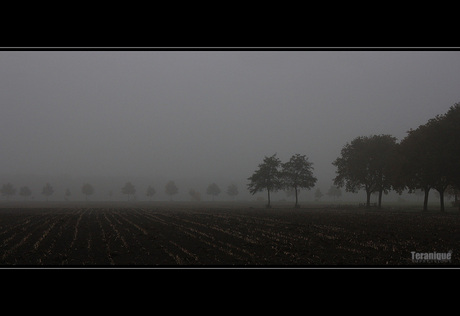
[129,189]
[214,190]
[9,190]
[333,192]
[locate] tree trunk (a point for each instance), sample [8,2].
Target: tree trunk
[425,199]
[380,198]
[441,199]
[268,205]
[368,200]
[296,200]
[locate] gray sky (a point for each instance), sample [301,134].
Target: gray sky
[209,114]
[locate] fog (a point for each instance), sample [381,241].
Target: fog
[198,117]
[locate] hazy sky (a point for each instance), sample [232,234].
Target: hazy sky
[209,114]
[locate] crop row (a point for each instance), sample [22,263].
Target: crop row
[150,237]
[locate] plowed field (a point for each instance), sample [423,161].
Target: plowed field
[156,237]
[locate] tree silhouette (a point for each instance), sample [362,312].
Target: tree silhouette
[195,195]
[425,162]
[451,140]
[128,189]
[171,189]
[297,174]
[232,190]
[150,191]
[453,192]
[213,189]
[446,137]
[367,163]
[25,192]
[385,164]
[47,190]
[318,194]
[334,191]
[87,189]
[8,190]
[266,177]
[415,165]
[67,194]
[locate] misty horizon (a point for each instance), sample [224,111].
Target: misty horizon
[211,116]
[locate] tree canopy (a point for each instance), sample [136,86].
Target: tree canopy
[87,189]
[25,191]
[266,177]
[297,174]
[195,195]
[430,155]
[128,189]
[8,190]
[367,163]
[150,191]
[171,188]
[318,194]
[67,194]
[213,189]
[47,190]
[334,191]
[232,190]
[427,158]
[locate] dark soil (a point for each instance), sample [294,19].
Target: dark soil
[162,237]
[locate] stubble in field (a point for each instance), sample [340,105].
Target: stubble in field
[152,237]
